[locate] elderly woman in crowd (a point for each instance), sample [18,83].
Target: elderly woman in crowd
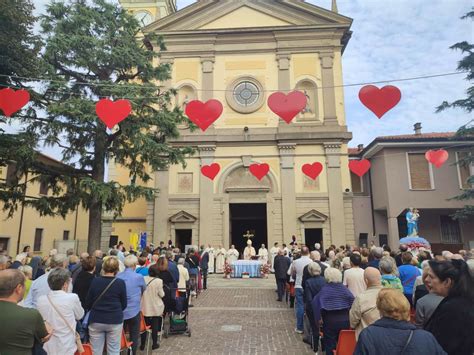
[28,272]
[393,334]
[168,283]
[183,276]
[452,323]
[312,287]
[84,279]
[106,300]
[152,305]
[332,305]
[61,310]
[135,288]
[388,270]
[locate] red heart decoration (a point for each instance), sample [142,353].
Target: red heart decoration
[359,167]
[259,170]
[312,170]
[111,112]
[437,157]
[204,114]
[11,100]
[211,171]
[380,101]
[287,106]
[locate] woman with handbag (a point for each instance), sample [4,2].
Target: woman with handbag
[61,310]
[106,300]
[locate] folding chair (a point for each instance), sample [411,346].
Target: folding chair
[125,345]
[346,343]
[145,329]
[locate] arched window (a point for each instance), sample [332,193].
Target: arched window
[186,93]
[311,111]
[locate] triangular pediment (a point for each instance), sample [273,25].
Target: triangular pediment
[229,14]
[183,217]
[313,216]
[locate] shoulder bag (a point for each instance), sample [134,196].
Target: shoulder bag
[80,348]
[85,321]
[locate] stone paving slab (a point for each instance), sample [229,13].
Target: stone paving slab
[238,316]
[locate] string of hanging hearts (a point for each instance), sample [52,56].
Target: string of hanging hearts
[203,114]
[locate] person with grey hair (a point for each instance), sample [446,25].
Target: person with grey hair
[183,276]
[61,310]
[28,272]
[3,262]
[40,286]
[389,271]
[19,327]
[313,285]
[281,264]
[135,288]
[332,305]
[377,254]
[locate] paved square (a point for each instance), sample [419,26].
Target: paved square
[238,317]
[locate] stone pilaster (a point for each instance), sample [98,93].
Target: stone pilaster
[336,198]
[329,93]
[160,213]
[206,196]
[393,233]
[207,68]
[288,190]
[283,78]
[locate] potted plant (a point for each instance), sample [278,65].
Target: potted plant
[227,270]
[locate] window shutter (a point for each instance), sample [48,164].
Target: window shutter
[419,172]
[356,182]
[464,171]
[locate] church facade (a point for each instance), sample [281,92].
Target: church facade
[240,52]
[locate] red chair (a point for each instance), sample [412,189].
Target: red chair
[87,350]
[145,328]
[346,343]
[125,344]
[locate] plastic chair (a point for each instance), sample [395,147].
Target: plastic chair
[346,343]
[145,328]
[125,344]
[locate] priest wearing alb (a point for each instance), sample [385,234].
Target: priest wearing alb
[249,251]
[273,253]
[263,254]
[220,260]
[232,255]
[210,251]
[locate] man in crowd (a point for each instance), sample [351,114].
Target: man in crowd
[408,275]
[377,253]
[172,267]
[20,327]
[364,309]
[204,265]
[316,257]
[398,257]
[3,262]
[354,277]
[135,285]
[297,272]
[40,286]
[281,265]
[98,261]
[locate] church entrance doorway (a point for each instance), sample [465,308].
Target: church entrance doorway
[313,236]
[251,217]
[183,238]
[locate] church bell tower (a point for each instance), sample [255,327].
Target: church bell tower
[148,11]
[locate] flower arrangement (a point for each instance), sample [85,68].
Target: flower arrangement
[245,275]
[265,269]
[227,270]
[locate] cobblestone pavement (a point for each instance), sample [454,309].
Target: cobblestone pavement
[238,317]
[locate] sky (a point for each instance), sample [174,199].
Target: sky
[395,39]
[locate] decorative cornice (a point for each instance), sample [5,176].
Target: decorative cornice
[206,148]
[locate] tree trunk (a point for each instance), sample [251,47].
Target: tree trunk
[98,174]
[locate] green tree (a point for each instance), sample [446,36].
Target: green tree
[466,64]
[92,50]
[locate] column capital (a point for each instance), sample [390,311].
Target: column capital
[166,60]
[206,153]
[332,148]
[207,64]
[287,148]
[283,61]
[327,59]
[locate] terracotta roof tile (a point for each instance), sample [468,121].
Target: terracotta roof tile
[353,151]
[432,135]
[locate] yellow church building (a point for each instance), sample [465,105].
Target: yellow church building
[240,52]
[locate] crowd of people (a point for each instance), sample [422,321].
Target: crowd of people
[54,304]
[403,302]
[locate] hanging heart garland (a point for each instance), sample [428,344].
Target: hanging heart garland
[11,101]
[112,112]
[210,171]
[380,101]
[204,114]
[359,167]
[437,157]
[259,170]
[312,170]
[287,106]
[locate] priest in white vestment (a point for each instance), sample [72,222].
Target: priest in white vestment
[249,251]
[263,254]
[232,255]
[220,260]
[273,253]
[210,251]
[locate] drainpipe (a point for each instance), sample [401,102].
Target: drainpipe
[21,215]
[372,204]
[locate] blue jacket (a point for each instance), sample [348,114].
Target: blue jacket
[312,287]
[388,336]
[173,269]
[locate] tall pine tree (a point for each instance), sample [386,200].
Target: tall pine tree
[466,64]
[90,51]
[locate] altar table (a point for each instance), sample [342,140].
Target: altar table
[250,266]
